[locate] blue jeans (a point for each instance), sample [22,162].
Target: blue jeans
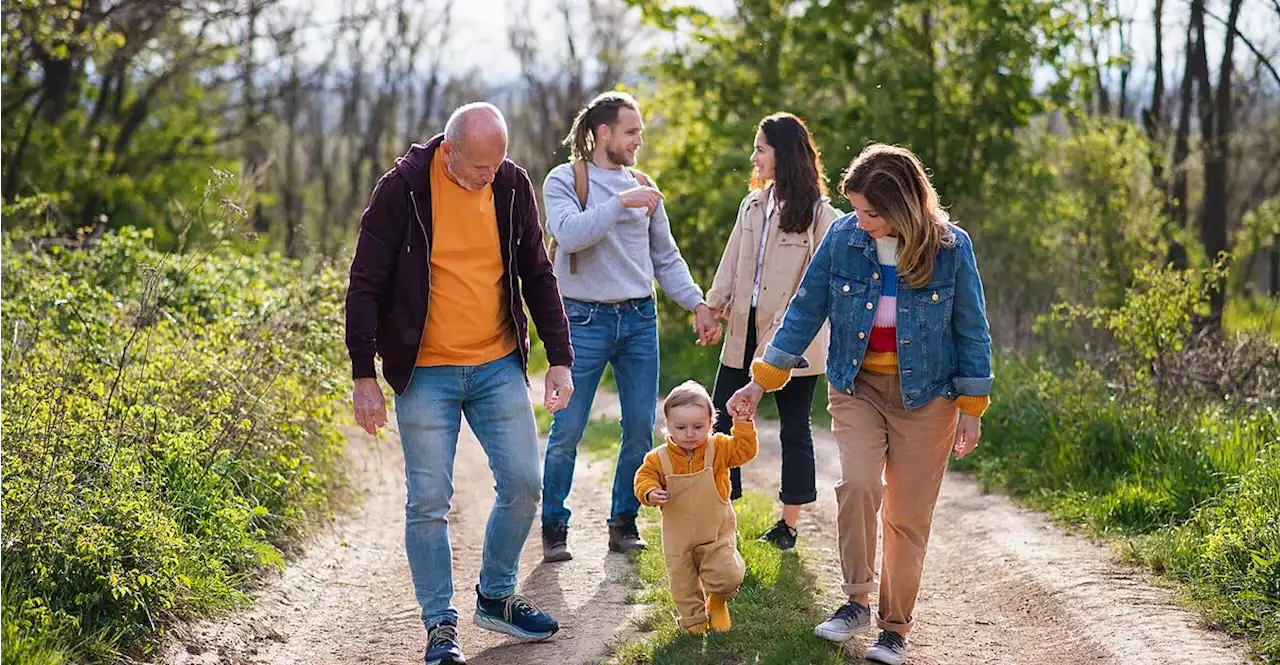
[624,335]
[495,399]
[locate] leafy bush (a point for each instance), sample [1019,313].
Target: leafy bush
[167,429]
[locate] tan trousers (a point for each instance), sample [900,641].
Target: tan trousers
[699,540]
[876,436]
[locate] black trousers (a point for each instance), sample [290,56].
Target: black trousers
[795,400]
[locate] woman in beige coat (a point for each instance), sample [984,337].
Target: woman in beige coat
[780,223]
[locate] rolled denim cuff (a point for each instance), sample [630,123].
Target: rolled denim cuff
[783,360]
[975,386]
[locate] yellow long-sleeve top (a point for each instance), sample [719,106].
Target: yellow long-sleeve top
[732,450]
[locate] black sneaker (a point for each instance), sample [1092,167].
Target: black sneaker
[781,535]
[890,649]
[555,541]
[442,646]
[624,536]
[514,615]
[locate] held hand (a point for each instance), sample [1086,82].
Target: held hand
[369,406]
[657,497]
[968,432]
[641,197]
[706,326]
[743,403]
[559,388]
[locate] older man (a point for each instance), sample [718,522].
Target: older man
[448,245]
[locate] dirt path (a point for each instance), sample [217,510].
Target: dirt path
[350,600]
[1003,585]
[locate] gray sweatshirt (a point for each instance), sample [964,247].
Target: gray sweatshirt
[619,250]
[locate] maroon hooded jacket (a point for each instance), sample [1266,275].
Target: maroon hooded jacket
[390,286]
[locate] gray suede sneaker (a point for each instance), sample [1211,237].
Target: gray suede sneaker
[851,619]
[890,649]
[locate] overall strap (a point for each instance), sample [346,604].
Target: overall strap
[710,460]
[667,469]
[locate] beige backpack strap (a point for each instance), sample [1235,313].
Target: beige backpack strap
[709,461]
[581,182]
[667,469]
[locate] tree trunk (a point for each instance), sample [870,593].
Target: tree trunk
[1215,122]
[1178,200]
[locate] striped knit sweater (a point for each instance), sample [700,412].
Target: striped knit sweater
[882,349]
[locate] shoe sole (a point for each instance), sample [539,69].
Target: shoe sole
[555,557]
[875,659]
[447,661]
[624,550]
[498,626]
[841,638]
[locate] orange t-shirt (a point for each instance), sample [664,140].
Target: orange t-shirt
[468,317]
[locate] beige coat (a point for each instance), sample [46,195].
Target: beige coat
[786,256]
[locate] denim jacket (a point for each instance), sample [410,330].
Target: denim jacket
[944,344]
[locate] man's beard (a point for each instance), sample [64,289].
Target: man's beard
[620,157]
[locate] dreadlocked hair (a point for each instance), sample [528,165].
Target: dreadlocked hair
[603,110]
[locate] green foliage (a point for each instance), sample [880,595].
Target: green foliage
[952,81]
[168,426]
[1150,327]
[1258,315]
[1195,487]
[120,113]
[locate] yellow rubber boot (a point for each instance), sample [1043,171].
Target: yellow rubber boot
[696,629]
[718,613]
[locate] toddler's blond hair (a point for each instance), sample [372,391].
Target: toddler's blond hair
[689,393]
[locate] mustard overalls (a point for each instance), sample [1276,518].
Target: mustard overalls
[699,539]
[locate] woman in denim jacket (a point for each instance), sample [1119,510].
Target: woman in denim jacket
[909,364]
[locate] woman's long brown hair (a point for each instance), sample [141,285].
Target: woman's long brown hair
[895,183]
[798,177]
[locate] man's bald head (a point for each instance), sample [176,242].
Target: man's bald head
[475,144]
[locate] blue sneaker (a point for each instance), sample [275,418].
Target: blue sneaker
[442,646]
[514,615]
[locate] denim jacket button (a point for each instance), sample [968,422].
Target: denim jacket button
[855,362]
[870,306]
[875,275]
[935,296]
[862,335]
[848,391]
[846,288]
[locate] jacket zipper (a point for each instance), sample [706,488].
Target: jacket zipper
[426,240]
[511,281]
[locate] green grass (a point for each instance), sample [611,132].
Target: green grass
[773,614]
[1192,492]
[1258,315]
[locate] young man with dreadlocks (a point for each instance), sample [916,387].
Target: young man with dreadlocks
[610,240]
